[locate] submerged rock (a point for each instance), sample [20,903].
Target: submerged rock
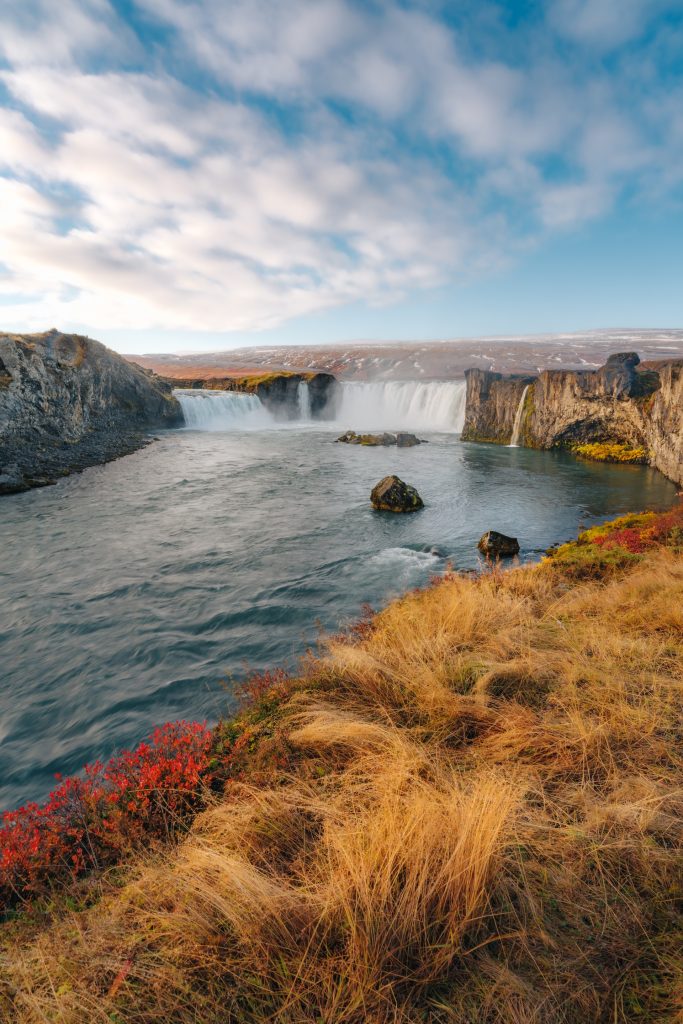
[497,545]
[393,495]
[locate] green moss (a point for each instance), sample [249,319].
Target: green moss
[611,451]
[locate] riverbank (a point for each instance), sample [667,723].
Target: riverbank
[465,809]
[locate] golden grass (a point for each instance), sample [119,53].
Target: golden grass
[480,822]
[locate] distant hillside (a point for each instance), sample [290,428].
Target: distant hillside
[427,360]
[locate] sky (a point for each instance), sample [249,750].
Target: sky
[181,175]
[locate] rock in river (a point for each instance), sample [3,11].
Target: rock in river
[497,545]
[385,439]
[393,495]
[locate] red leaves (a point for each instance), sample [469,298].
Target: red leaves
[663,529]
[629,539]
[89,821]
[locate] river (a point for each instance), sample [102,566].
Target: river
[136,592]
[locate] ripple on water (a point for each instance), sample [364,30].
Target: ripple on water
[136,588]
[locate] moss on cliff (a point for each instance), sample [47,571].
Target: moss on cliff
[611,451]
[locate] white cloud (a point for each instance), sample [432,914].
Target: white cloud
[170,196]
[602,23]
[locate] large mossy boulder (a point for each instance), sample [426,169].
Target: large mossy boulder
[496,545]
[393,495]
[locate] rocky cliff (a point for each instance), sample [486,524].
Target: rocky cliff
[67,402]
[640,405]
[279,392]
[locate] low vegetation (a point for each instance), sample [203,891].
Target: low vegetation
[467,809]
[612,451]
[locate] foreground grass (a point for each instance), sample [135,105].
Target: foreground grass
[469,810]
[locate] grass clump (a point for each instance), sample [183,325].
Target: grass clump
[612,451]
[466,810]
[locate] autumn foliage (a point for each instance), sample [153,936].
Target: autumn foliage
[90,820]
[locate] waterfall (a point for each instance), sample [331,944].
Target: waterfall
[222,410]
[304,400]
[402,405]
[517,425]
[378,405]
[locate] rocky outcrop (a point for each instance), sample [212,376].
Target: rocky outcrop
[279,392]
[496,545]
[380,440]
[67,402]
[491,405]
[393,495]
[624,401]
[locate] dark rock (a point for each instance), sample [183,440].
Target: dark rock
[496,545]
[393,495]
[67,402]
[12,480]
[622,359]
[325,396]
[369,440]
[407,440]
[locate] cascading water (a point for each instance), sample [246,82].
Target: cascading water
[379,405]
[304,400]
[517,425]
[222,410]
[403,405]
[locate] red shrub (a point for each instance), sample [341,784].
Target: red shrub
[630,539]
[88,821]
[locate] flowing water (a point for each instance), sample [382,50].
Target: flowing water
[517,425]
[133,593]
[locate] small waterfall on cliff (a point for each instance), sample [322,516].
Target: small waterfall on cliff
[222,410]
[402,405]
[517,425]
[304,399]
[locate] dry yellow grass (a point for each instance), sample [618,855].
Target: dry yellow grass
[480,822]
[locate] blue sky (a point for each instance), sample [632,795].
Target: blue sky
[195,174]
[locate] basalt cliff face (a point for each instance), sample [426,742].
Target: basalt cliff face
[627,402]
[67,402]
[279,392]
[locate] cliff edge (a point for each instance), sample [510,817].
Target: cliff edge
[68,402]
[624,402]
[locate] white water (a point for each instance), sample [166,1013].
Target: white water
[379,405]
[222,410]
[403,405]
[517,425]
[304,399]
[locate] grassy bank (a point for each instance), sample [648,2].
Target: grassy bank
[466,810]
